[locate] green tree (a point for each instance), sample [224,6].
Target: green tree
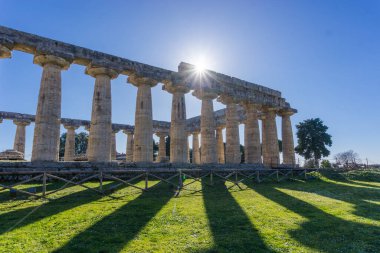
[325,164]
[312,140]
[81,141]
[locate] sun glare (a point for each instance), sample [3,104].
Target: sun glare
[200,64]
[200,68]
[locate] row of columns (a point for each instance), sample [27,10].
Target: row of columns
[101,146]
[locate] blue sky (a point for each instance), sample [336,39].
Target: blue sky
[324,56]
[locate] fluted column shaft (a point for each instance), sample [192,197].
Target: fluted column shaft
[272,138]
[113,145]
[208,141]
[232,135]
[178,136]
[70,144]
[196,154]
[99,143]
[19,142]
[47,120]
[143,140]
[287,140]
[161,147]
[188,149]
[264,139]
[129,151]
[220,145]
[252,136]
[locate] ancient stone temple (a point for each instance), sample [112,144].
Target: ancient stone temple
[246,103]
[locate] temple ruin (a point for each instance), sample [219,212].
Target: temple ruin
[246,103]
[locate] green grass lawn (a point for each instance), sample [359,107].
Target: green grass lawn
[333,213]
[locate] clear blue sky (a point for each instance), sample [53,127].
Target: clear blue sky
[324,56]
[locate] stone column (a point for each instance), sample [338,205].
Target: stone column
[264,144]
[220,145]
[19,142]
[129,151]
[47,120]
[161,147]
[252,135]
[188,148]
[143,138]
[178,136]
[70,143]
[208,141]
[113,144]
[232,134]
[287,138]
[196,154]
[271,137]
[99,141]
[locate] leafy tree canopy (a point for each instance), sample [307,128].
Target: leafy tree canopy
[312,139]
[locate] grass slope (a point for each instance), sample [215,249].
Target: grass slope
[338,212]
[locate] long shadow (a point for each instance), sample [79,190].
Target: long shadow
[323,231]
[363,184]
[114,231]
[360,180]
[6,196]
[346,193]
[231,228]
[9,219]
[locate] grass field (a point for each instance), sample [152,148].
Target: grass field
[333,213]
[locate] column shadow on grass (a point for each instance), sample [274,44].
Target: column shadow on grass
[231,228]
[53,207]
[346,193]
[360,180]
[114,231]
[322,231]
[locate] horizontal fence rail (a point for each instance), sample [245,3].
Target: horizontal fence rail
[178,179]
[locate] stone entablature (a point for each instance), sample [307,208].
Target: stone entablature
[158,126]
[11,39]
[34,44]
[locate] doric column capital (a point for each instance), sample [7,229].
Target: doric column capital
[5,52]
[70,127]
[220,127]
[95,71]
[162,134]
[128,131]
[43,60]
[227,100]
[175,88]
[6,47]
[205,93]
[138,80]
[21,122]
[269,112]
[286,112]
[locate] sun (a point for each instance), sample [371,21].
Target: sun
[200,64]
[200,67]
